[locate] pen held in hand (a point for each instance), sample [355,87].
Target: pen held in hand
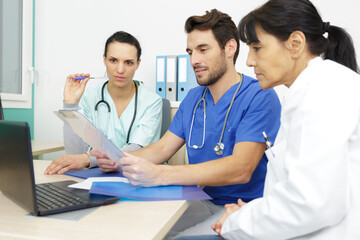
[83,77]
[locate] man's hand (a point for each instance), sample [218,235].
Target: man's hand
[74,89]
[229,209]
[139,171]
[68,162]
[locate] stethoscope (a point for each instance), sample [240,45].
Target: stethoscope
[219,147]
[109,109]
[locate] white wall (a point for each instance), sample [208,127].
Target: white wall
[70,37]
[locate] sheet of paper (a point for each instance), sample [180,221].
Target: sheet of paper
[89,133]
[88,182]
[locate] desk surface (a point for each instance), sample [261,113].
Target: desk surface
[122,220]
[42,147]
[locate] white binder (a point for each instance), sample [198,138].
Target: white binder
[171,78]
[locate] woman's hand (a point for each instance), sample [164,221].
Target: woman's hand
[74,89]
[229,209]
[68,162]
[106,165]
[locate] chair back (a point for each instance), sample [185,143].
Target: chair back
[1,110]
[166,117]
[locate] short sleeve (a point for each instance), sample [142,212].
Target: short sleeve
[262,115]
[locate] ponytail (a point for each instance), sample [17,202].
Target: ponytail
[341,48]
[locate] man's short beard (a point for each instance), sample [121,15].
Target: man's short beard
[217,74]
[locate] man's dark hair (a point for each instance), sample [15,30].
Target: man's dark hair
[221,25]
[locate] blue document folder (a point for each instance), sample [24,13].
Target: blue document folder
[126,190]
[93,172]
[161,76]
[161,193]
[186,77]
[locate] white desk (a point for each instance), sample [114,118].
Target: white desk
[42,147]
[122,220]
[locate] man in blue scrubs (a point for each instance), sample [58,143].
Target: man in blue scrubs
[231,98]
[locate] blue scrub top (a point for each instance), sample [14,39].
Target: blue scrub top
[254,110]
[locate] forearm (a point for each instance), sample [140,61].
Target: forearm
[234,169]
[220,172]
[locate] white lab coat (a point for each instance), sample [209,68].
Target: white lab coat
[312,187]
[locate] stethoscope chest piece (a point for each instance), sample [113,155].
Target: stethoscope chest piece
[219,147]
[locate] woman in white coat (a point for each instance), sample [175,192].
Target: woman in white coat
[312,187]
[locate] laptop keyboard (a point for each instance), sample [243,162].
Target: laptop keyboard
[52,197]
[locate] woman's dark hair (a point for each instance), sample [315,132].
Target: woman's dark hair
[123,37]
[280,18]
[221,25]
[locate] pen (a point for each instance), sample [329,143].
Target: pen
[83,77]
[268,143]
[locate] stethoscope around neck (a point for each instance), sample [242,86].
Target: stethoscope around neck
[103,101]
[219,147]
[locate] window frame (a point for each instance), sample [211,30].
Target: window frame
[24,100]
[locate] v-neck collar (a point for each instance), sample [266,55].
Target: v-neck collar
[225,99]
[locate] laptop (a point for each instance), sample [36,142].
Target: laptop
[17,178]
[1,111]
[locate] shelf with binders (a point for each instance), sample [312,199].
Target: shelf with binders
[174,77]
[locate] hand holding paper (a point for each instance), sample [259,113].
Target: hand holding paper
[139,171]
[106,165]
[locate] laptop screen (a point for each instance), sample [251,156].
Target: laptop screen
[16,169]
[17,180]
[1,111]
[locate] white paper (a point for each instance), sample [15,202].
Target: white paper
[88,182]
[89,133]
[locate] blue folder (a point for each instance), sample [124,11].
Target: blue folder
[93,172]
[128,191]
[160,193]
[161,76]
[186,77]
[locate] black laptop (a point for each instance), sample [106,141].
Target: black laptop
[17,177]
